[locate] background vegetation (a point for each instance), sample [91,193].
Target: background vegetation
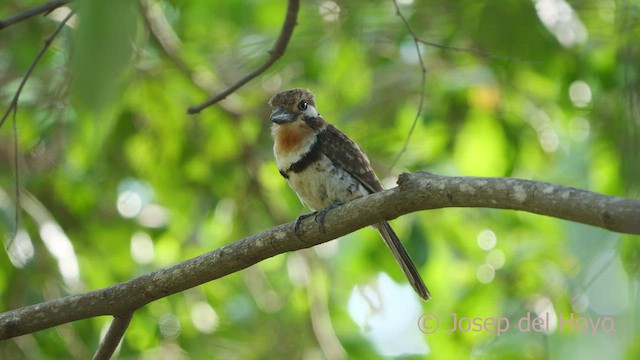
[117,180]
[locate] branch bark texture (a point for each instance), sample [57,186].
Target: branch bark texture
[419,191]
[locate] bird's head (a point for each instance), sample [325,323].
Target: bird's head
[291,105]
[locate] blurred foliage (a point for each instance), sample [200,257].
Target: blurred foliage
[118,181]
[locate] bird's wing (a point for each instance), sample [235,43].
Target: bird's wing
[346,154]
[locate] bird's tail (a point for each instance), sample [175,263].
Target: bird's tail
[402,257]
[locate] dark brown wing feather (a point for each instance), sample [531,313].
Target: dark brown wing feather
[344,153]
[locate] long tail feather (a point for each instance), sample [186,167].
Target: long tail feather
[402,257]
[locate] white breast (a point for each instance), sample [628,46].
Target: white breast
[285,159]
[323,184]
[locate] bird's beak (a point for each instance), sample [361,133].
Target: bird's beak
[280,115]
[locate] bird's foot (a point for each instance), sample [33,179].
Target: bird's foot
[318,216]
[322,213]
[296,227]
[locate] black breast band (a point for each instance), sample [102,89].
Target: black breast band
[314,154]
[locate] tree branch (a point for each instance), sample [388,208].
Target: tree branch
[423,85]
[419,191]
[13,107]
[40,9]
[170,45]
[110,342]
[14,101]
[290,21]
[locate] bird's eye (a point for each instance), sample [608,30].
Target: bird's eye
[302,105]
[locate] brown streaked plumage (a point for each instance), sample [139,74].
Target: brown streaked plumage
[326,168]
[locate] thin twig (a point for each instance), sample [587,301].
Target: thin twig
[279,48]
[13,107]
[170,45]
[163,34]
[40,9]
[113,337]
[417,41]
[14,102]
[17,182]
[474,51]
[423,83]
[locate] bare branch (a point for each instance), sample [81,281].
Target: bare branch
[114,335]
[417,41]
[40,9]
[170,45]
[290,21]
[14,102]
[474,51]
[419,191]
[13,107]
[423,84]
[16,171]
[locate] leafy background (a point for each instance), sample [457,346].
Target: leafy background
[117,180]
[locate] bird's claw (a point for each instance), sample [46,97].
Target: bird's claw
[296,227]
[318,216]
[322,213]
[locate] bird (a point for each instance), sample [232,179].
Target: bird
[326,168]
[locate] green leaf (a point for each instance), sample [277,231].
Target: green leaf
[103,51]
